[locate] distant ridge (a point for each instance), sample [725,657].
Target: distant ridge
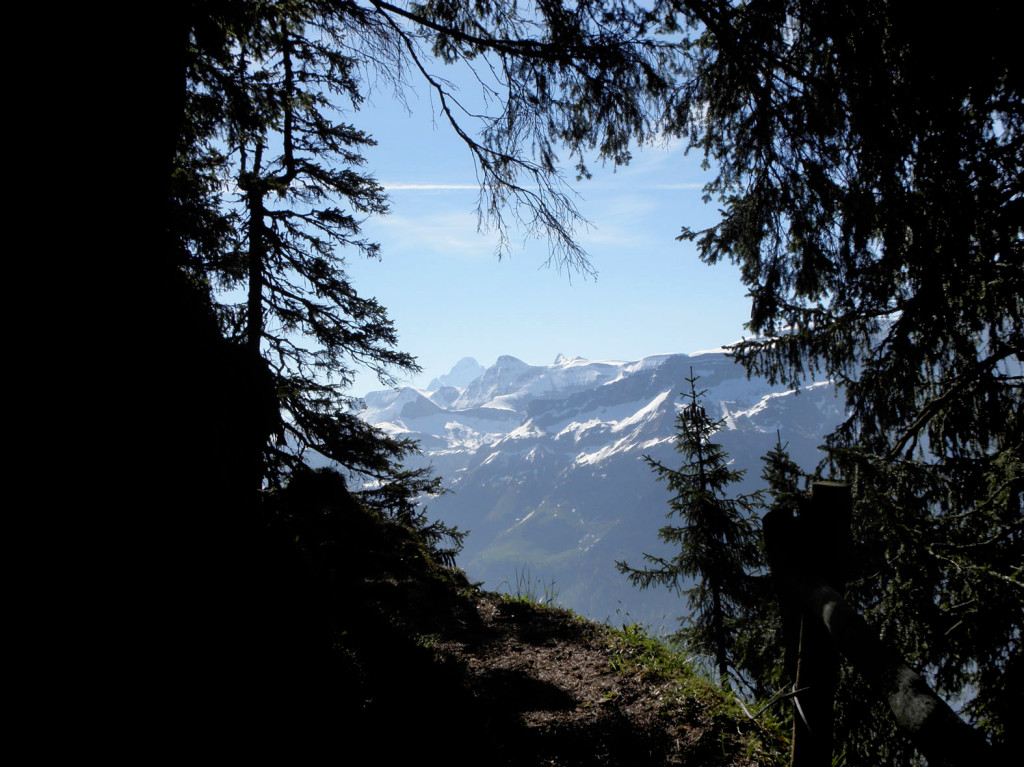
[546,461]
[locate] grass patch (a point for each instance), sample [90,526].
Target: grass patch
[688,697]
[634,651]
[528,589]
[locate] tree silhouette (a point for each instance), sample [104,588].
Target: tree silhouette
[870,188]
[763,642]
[716,538]
[268,192]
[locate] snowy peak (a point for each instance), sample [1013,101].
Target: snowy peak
[596,409]
[445,396]
[504,377]
[403,407]
[562,360]
[511,383]
[546,461]
[464,372]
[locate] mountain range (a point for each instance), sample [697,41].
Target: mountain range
[545,463]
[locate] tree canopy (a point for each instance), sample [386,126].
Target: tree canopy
[869,181]
[868,171]
[281,177]
[268,192]
[870,184]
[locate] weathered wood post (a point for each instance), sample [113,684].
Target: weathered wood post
[808,555]
[816,541]
[825,538]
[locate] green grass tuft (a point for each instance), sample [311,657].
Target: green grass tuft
[530,590]
[687,695]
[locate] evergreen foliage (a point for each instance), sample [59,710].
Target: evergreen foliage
[268,194]
[871,194]
[716,539]
[278,174]
[870,184]
[782,476]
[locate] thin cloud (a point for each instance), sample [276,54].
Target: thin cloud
[429,187]
[475,187]
[443,234]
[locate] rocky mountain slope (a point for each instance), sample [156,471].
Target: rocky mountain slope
[546,462]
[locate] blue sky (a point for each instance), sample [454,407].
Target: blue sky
[450,297]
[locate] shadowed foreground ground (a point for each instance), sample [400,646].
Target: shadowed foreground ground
[481,678]
[310,629]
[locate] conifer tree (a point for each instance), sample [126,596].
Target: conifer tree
[268,194]
[263,113]
[782,475]
[716,539]
[870,188]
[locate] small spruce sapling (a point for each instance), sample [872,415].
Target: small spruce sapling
[716,539]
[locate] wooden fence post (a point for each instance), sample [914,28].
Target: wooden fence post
[809,555]
[815,541]
[824,530]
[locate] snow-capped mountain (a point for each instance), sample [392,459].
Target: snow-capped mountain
[465,371]
[546,462]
